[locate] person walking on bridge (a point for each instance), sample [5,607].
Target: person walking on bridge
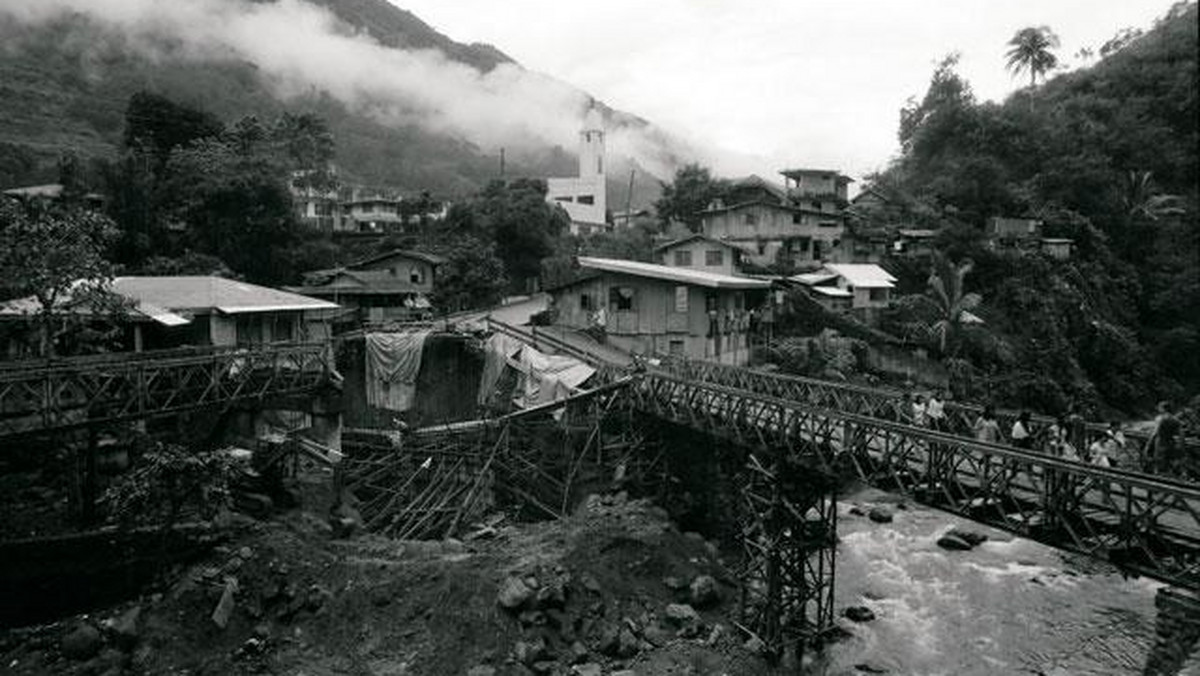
[919,411]
[935,411]
[1164,448]
[987,428]
[1020,435]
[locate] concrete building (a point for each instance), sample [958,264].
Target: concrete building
[178,311]
[860,288]
[648,308]
[797,226]
[699,252]
[392,286]
[584,196]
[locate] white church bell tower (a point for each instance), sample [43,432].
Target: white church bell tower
[584,197]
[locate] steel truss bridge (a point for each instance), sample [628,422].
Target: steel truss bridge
[792,434]
[44,396]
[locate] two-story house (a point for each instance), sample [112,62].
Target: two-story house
[799,226]
[395,285]
[700,252]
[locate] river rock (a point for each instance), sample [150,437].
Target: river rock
[681,615]
[84,642]
[124,628]
[703,592]
[589,669]
[880,515]
[869,669]
[954,543]
[970,537]
[859,614]
[528,652]
[513,593]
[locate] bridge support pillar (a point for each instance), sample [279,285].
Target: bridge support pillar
[1177,631]
[326,423]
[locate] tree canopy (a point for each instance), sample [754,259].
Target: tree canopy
[1106,156]
[689,193]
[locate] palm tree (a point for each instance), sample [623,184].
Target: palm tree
[1142,201]
[953,306]
[1030,50]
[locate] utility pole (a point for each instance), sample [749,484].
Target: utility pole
[629,199]
[502,164]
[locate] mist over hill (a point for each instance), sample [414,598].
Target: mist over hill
[408,106]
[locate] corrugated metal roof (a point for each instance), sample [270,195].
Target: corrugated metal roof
[681,275]
[199,293]
[865,275]
[834,291]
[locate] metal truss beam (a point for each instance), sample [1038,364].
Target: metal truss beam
[73,393]
[1145,524]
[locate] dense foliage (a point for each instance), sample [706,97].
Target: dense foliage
[1106,156]
[54,251]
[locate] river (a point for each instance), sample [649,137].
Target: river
[1010,606]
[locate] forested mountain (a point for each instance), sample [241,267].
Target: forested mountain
[65,82]
[1106,155]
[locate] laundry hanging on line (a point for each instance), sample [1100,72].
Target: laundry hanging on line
[393,361]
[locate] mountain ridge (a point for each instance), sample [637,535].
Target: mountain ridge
[64,83]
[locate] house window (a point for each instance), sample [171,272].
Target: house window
[714,257]
[585,302]
[816,205]
[798,218]
[683,258]
[599,165]
[879,295]
[675,348]
[565,198]
[681,298]
[586,199]
[392,271]
[621,297]
[416,275]
[751,218]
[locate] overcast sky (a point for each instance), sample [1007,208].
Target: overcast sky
[814,84]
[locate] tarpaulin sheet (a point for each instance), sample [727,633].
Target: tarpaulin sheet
[393,362]
[550,377]
[496,352]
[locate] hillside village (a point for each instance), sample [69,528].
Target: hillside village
[286,385]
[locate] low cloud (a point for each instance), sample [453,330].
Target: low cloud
[299,47]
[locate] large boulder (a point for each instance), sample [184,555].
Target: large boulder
[880,515]
[514,593]
[703,592]
[124,628]
[969,536]
[681,615]
[859,614]
[82,643]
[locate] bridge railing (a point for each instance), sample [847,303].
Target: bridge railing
[1144,523]
[75,392]
[886,403]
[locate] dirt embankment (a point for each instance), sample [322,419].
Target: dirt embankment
[615,587]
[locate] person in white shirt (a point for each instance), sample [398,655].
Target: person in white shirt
[935,411]
[1020,434]
[919,411]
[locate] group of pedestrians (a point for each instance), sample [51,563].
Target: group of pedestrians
[1066,437]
